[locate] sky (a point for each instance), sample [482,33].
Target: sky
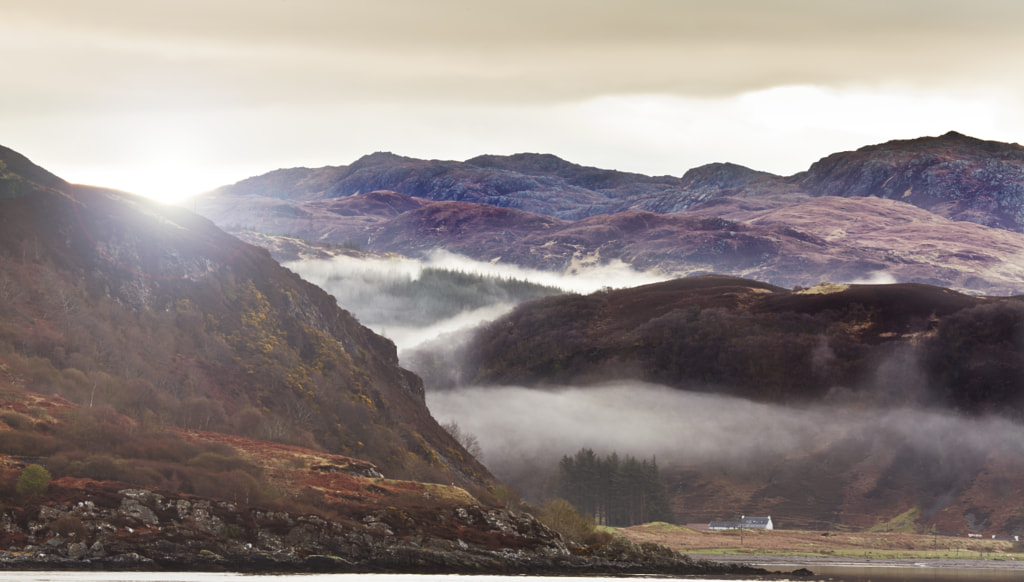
[172,98]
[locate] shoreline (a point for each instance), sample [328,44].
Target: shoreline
[809,562]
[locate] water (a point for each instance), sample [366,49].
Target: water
[231,577]
[835,573]
[917,574]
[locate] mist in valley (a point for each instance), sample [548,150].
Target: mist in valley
[523,432]
[413,301]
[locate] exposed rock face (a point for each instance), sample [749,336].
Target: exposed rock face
[137,529]
[955,176]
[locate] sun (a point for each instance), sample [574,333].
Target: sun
[164,157]
[166,181]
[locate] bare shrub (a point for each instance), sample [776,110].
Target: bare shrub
[26,444]
[561,516]
[69,526]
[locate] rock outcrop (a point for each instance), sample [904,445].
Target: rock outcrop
[139,529]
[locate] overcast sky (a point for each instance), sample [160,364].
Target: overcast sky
[170,98]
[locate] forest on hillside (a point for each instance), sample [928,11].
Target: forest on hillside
[936,345]
[395,293]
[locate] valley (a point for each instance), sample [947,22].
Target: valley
[838,359]
[874,361]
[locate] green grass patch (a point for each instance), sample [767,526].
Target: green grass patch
[905,522]
[663,527]
[864,554]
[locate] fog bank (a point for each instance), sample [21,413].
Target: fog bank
[526,431]
[376,290]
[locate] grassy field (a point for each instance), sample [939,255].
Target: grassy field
[892,545]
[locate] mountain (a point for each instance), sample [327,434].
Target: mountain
[830,404]
[113,300]
[848,404]
[173,398]
[955,176]
[538,183]
[765,343]
[939,210]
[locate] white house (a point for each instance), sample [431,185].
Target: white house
[745,522]
[757,522]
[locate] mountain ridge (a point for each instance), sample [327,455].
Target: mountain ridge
[922,190]
[492,178]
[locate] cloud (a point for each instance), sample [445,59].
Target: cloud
[874,278]
[169,98]
[579,279]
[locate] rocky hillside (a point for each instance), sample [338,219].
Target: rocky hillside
[259,507]
[933,210]
[173,398]
[955,176]
[110,300]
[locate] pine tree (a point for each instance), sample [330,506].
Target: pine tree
[615,491]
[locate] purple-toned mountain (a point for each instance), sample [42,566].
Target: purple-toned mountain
[955,176]
[542,184]
[939,210]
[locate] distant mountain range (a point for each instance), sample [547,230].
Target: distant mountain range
[940,210]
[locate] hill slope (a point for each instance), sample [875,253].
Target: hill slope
[749,339]
[112,300]
[838,404]
[955,176]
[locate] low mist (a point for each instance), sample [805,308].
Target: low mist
[890,427]
[393,297]
[524,432]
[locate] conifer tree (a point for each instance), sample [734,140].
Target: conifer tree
[615,491]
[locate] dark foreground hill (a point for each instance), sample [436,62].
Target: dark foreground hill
[837,405]
[939,210]
[110,300]
[753,340]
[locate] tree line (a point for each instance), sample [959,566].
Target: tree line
[616,491]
